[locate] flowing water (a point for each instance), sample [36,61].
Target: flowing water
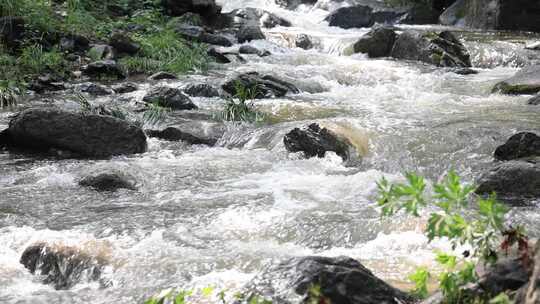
[216,215]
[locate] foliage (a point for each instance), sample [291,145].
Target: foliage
[35,60]
[482,231]
[155,113]
[9,93]
[39,14]
[78,20]
[237,108]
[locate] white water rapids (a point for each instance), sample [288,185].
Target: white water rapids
[216,215]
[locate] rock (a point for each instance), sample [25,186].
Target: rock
[94,89]
[215,39]
[526,81]
[74,43]
[188,18]
[442,49]
[84,134]
[266,86]
[62,267]
[109,181]
[125,87]
[123,44]
[175,134]
[101,52]
[454,15]
[12,31]
[247,33]
[205,8]
[248,49]
[376,43]
[303,41]
[534,100]
[342,280]
[162,75]
[523,144]
[201,90]
[518,15]
[170,98]
[314,141]
[513,181]
[218,56]
[104,68]
[292,4]
[254,16]
[530,293]
[351,17]
[197,33]
[465,71]
[47,83]
[535,46]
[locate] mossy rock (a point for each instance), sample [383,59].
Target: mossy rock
[526,81]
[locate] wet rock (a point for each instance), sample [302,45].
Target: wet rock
[218,56]
[534,100]
[248,33]
[175,134]
[465,71]
[535,46]
[109,181]
[94,89]
[254,16]
[351,17]
[377,42]
[169,97]
[74,43]
[125,87]
[47,83]
[316,141]
[87,135]
[303,41]
[197,33]
[162,75]
[104,69]
[248,49]
[201,90]
[514,181]
[123,43]
[341,279]
[101,52]
[440,49]
[266,86]
[61,267]
[12,31]
[526,81]
[523,144]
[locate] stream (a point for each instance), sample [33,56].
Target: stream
[214,216]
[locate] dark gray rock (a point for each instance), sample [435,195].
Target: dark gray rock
[440,49]
[215,39]
[175,134]
[292,4]
[342,280]
[170,98]
[74,43]
[86,135]
[351,17]
[465,71]
[125,87]
[101,52]
[109,181]
[104,69]
[47,83]
[61,267]
[123,43]
[162,75]
[517,15]
[254,16]
[94,89]
[514,181]
[534,100]
[266,86]
[376,43]
[526,81]
[12,31]
[218,56]
[205,8]
[248,33]
[523,144]
[316,141]
[201,90]
[199,34]
[248,49]
[303,41]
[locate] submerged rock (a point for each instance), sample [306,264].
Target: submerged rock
[266,86]
[441,49]
[175,134]
[201,90]
[169,97]
[303,41]
[341,280]
[62,267]
[104,68]
[86,135]
[514,181]
[316,141]
[109,181]
[523,144]
[377,42]
[526,81]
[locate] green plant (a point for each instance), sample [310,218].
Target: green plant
[238,109]
[78,20]
[173,297]
[154,113]
[9,93]
[483,231]
[35,60]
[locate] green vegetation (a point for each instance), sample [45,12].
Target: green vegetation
[238,108]
[480,228]
[9,93]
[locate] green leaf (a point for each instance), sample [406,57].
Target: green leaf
[420,279]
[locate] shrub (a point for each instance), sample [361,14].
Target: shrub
[9,93]
[238,109]
[35,60]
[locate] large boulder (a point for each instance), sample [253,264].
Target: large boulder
[523,144]
[316,141]
[201,90]
[514,181]
[341,280]
[60,266]
[86,135]
[377,42]
[351,17]
[110,180]
[104,69]
[526,81]
[265,86]
[170,98]
[440,49]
